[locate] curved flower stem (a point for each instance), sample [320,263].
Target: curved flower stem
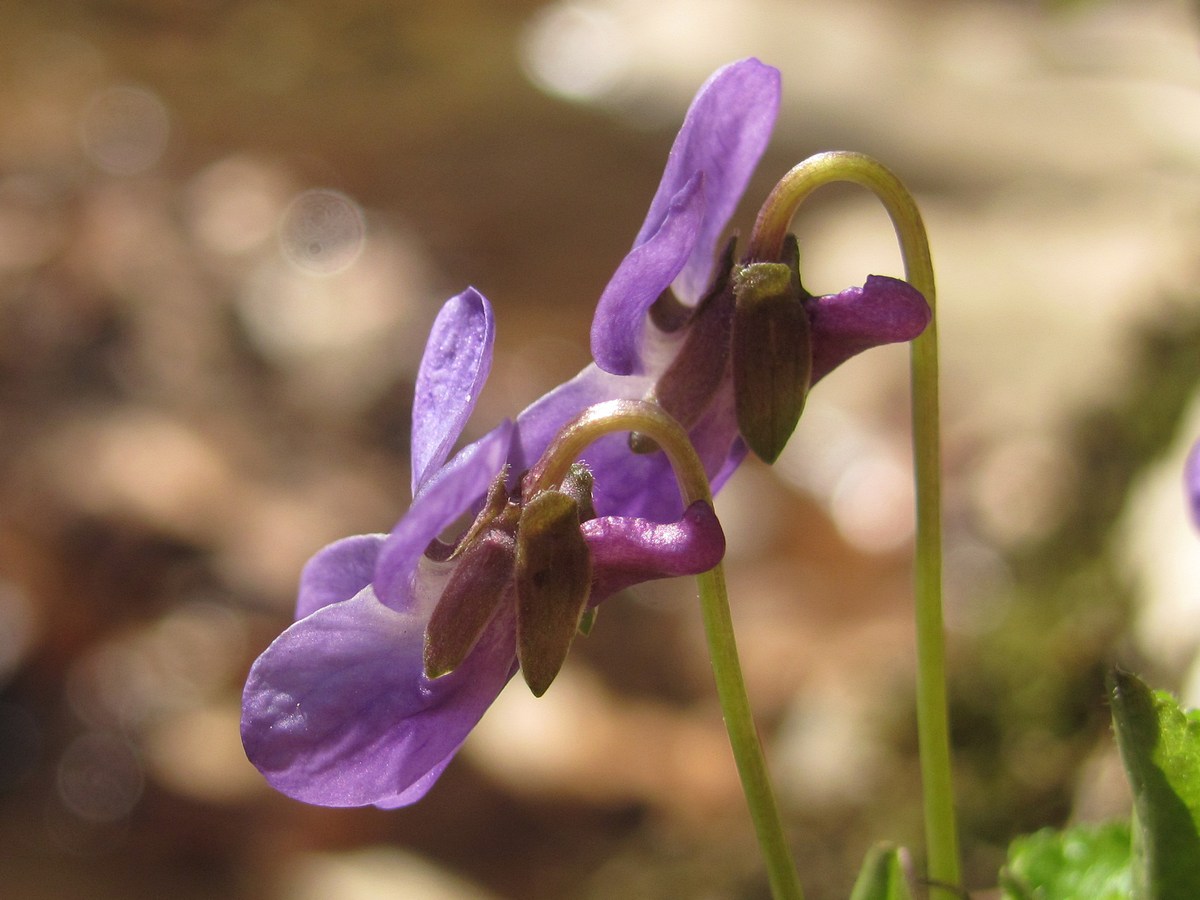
[651,420]
[766,242]
[621,415]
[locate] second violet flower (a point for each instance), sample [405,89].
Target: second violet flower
[664,327]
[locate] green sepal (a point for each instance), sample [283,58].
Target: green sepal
[772,353]
[882,876]
[578,486]
[554,578]
[1092,861]
[497,512]
[587,621]
[1160,747]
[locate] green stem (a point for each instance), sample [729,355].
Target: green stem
[651,420]
[743,737]
[766,242]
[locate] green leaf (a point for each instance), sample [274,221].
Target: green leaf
[1084,861]
[882,876]
[1160,746]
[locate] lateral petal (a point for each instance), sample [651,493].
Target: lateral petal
[454,490]
[337,572]
[645,272]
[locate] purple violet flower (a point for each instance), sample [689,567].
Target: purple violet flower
[341,710]
[1191,482]
[662,326]
[338,711]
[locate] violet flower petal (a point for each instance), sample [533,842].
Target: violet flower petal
[458,356]
[626,483]
[337,572]
[723,136]
[418,788]
[644,485]
[1191,482]
[645,272]
[540,422]
[629,551]
[883,311]
[455,489]
[337,711]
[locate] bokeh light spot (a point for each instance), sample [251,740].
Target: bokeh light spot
[575,50]
[235,203]
[124,129]
[322,232]
[100,778]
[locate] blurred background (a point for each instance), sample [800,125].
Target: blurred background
[225,228]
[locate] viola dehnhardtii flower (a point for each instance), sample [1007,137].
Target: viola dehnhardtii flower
[402,641]
[729,348]
[1191,482]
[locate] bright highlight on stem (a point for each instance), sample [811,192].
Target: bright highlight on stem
[766,242]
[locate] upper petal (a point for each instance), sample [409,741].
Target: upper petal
[337,572]
[458,356]
[451,492]
[337,711]
[883,311]
[723,136]
[645,272]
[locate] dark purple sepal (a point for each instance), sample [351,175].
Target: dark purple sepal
[771,354]
[479,585]
[553,579]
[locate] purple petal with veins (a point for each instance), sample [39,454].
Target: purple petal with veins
[458,356]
